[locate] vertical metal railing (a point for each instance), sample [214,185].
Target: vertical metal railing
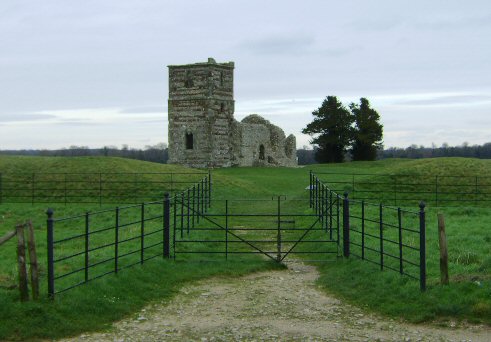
[317,197]
[86,258]
[422,246]
[50,242]
[116,241]
[278,235]
[381,236]
[311,176]
[116,235]
[142,234]
[166,218]
[1,188]
[346,230]
[192,202]
[226,229]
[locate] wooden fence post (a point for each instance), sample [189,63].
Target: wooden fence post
[21,259]
[443,250]
[21,262]
[33,261]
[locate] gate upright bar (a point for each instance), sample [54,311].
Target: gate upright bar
[51,268]
[278,236]
[167,225]
[422,246]
[310,188]
[346,217]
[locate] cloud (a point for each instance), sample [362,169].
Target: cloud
[341,51]
[424,20]
[455,21]
[447,100]
[284,44]
[21,117]
[76,123]
[378,24]
[146,109]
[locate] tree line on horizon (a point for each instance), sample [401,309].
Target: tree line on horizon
[306,155]
[153,153]
[417,152]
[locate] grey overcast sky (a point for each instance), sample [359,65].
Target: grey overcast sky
[94,73]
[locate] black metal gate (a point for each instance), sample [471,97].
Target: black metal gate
[277,227]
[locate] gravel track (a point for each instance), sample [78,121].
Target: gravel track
[269,306]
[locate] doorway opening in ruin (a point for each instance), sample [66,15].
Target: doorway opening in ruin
[261,152]
[189,141]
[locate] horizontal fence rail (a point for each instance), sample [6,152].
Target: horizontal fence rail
[89,246]
[400,189]
[393,238]
[98,188]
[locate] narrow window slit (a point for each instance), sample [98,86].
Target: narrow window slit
[189,141]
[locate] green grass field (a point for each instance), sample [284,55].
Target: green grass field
[94,306]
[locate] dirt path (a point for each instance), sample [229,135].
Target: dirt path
[271,306]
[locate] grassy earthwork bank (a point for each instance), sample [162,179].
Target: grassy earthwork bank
[95,305]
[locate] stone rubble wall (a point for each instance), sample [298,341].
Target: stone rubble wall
[257,131]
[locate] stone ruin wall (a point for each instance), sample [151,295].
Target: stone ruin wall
[254,132]
[201,104]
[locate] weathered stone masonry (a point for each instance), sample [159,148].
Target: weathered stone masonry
[202,128]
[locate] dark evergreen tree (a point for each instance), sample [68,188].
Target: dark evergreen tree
[331,130]
[368,132]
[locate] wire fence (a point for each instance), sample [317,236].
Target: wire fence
[95,188]
[410,189]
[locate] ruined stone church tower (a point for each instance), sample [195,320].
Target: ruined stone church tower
[202,128]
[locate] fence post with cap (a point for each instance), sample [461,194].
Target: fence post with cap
[50,238]
[422,246]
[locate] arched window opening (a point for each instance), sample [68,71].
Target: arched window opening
[221,79]
[222,107]
[261,152]
[189,141]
